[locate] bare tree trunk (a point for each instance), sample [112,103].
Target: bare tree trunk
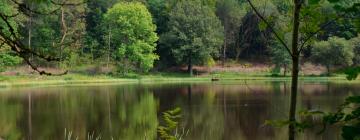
[328,70]
[109,49]
[190,66]
[225,41]
[224,53]
[295,54]
[29,38]
[29,35]
[295,69]
[238,52]
[64,32]
[285,70]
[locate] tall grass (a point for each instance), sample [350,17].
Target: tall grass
[68,135]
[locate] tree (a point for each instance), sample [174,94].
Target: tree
[252,35]
[195,33]
[132,34]
[302,11]
[7,59]
[95,30]
[230,13]
[355,42]
[160,10]
[61,31]
[335,51]
[280,57]
[13,14]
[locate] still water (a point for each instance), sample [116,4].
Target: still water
[210,111]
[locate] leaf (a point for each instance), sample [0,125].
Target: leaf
[313,2]
[333,1]
[277,123]
[353,99]
[350,132]
[311,112]
[262,26]
[352,73]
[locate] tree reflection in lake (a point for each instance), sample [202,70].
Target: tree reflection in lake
[213,111]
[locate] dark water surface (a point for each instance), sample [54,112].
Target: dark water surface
[210,111]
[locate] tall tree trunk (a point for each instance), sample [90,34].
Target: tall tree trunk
[295,69]
[224,53]
[109,48]
[285,70]
[64,31]
[29,37]
[238,52]
[328,70]
[225,41]
[29,34]
[293,101]
[190,66]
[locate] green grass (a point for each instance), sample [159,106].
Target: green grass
[37,80]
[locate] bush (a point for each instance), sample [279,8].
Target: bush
[356,43]
[335,51]
[8,60]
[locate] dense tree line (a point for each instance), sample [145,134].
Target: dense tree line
[140,35]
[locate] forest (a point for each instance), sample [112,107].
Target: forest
[121,37]
[283,44]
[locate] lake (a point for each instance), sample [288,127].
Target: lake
[209,111]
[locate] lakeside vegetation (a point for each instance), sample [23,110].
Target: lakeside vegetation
[123,41]
[37,80]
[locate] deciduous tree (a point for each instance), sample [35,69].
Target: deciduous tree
[335,51]
[132,34]
[195,33]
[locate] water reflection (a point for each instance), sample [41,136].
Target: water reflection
[211,111]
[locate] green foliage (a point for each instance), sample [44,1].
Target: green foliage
[356,43]
[133,34]
[7,59]
[349,116]
[171,119]
[230,12]
[352,73]
[210,62]
[300,126]
[195,33]
[191,31]
[7,9]
[280,56]
[8,119]
[335,51]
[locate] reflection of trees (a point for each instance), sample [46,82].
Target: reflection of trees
[114,111]
[9,114]
[137,117]
[130,112]
[205,120]
[246,113]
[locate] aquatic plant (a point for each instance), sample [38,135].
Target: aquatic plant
[171,131]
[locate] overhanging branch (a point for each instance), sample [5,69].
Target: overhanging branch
[270,27]
[13,41]
[322,27]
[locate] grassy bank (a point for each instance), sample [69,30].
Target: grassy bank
[37,80]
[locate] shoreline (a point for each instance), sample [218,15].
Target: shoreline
[36,81]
